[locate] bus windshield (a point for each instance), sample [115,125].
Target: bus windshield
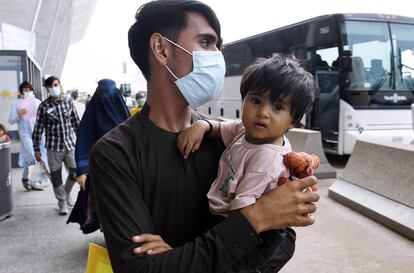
[370,47]
[403,37]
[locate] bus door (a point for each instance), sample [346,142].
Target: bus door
[325,115]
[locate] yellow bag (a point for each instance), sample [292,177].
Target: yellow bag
[98,260]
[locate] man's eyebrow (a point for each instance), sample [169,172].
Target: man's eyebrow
[208,36]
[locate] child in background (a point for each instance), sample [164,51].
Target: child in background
[3,134]
[276,93]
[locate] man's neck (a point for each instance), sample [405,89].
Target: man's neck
[169,110]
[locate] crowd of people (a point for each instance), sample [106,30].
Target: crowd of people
[172,189]
[49,132]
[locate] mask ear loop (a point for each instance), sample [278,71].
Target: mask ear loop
[169,70]
[180,47]
[177,45]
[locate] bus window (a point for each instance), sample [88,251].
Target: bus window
[237,113]
[404,51]
[324,57]
[370,46]
[209,110]
[221,112]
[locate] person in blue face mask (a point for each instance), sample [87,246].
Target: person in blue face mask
[152,203]
[23,112]
[58,118]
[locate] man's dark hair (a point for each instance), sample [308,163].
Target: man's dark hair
[25,84]
[49,81]
[168,18]
[285,77]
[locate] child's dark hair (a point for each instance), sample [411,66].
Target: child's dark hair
[25,84]
[285,77]
[2,127]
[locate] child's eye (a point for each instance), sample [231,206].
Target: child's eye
[277,107]
[255,100]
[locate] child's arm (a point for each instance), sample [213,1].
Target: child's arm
[190,139]
[151,244]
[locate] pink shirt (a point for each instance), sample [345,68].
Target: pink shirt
[246,170]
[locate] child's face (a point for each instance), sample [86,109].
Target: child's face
[1,132]
[265,121]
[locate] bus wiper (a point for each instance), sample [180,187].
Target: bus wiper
[379,83]
[406,66]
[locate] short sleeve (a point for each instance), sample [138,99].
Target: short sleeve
[230,129]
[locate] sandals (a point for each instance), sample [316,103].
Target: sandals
[26,184]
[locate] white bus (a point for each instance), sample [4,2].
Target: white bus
[364,64]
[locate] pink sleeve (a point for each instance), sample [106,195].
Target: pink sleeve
[229,130]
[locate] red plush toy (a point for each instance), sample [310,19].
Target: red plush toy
[300,166]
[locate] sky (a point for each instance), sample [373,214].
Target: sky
[104,48]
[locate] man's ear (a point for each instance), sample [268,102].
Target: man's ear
[159,48]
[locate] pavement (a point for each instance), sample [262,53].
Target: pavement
[36,239]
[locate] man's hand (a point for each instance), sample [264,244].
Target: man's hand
[190,139]
[151,244]
[22,112]
[38,156]
[286,205]
[81,179]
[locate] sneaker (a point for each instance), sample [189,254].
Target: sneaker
[37,186]
[63,210]
[26,184]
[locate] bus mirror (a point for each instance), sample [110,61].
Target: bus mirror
[346,64]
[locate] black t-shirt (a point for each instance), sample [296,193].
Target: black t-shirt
[142,184]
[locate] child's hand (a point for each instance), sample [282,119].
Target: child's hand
[151,244]
[22,111]
[190,139]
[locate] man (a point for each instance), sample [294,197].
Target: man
[140,99]
[143,185]
[58,117]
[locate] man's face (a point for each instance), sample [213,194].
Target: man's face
[197,36]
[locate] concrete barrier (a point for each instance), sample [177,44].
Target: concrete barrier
[378,181]
[304,140]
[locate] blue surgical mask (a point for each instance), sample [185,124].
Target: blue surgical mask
[28,94]
[54,91]
[204,83]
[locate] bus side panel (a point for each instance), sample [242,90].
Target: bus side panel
[228,103]
[379,124]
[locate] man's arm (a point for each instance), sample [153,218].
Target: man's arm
[124,214]
[292,203]
[74,118]
[38,129]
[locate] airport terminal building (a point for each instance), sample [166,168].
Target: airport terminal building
[34,39]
